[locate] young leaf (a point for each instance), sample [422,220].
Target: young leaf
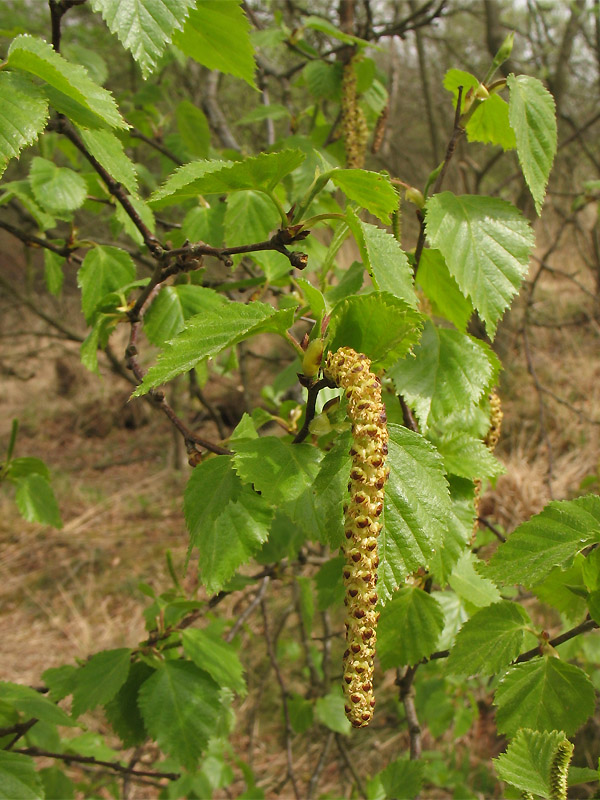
[173,306]
[469,585]
[489,122]
[329,710]
[467,456]
[383,258]
[26,465]
[60,680]
[329,584]
[58,189]
[279,470]
[23,115]
[208,35]
[144,27]
[381,326]
[193,129]
[544,694]
[180,706]
[227,521]
[250,217]
[34,704]
[531,112]
[528,760]
[24,194]
[371,190]
[37,57]
[104,269]
[108,150]
[442,290]
[100,679]
[53,274]
[401,778]
[417,505]
[329,492]
[409,628]
[18,777]
[486,244]
[123,711]
[301,713]
[208,333]
[490,640]
[550,539]
[449,373]
[57,785]
[259,173]
[209,652]
[36,502]
[565,590]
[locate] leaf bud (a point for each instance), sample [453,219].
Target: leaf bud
[481,92]
[415,196]
[311,363]
[505,50]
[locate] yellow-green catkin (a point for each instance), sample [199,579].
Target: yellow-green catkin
[352,371]
[560,770]
[354,123]
[491,440]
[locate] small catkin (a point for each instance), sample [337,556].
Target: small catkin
[354,123]
[491,440]
[352,372]
[559,770]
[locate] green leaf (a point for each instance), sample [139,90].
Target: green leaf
[279,470]
[260,113]
[144,27]
[527,762]
[442,290]
[34,704]
[90,59]
[550,539]
[259,173]
[486,244]
[448,373]
[98,337]
[467,456]
[490,640]
[104,269]
[383,258]
[323,79]
[181,708]
[330,491]
[100,679]
[227,521]
[58,189]
[469,585]
[57,785]
[400,779]
[173,306]
[381,326]
[208,333]
[60,680]
[22,467]
[371,190]
[108,150]
[217,34]
[324,26]
[417,505]
[18,777]
[409,628]
[301,713]
[206,224]
[329,584]
[23,115]
[250,217]
[37,57]
[209,652]
[329,711]
[531,112]
[544,694]
[53,274]
[489,122]
[36,502]
[193,129]
[123,711]
[565,590]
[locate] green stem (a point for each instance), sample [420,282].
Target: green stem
[318,217]
[280,209]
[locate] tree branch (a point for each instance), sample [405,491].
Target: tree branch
[114,765]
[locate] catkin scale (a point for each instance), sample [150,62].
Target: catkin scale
[352,372]
[490,441]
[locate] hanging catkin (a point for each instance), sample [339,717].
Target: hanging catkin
[491,440]
[354,124]
[352,372]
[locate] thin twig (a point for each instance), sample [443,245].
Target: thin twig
[584,627]
[156,145]
[311,402]
[314,778]
[114,765]
[286,713]
[258,597]
[348,762]
[405,681]
[497,533]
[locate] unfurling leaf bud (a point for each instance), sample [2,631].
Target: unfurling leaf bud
[311,363]
[415,196]
[481,92]
[352,371]
[505,50]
